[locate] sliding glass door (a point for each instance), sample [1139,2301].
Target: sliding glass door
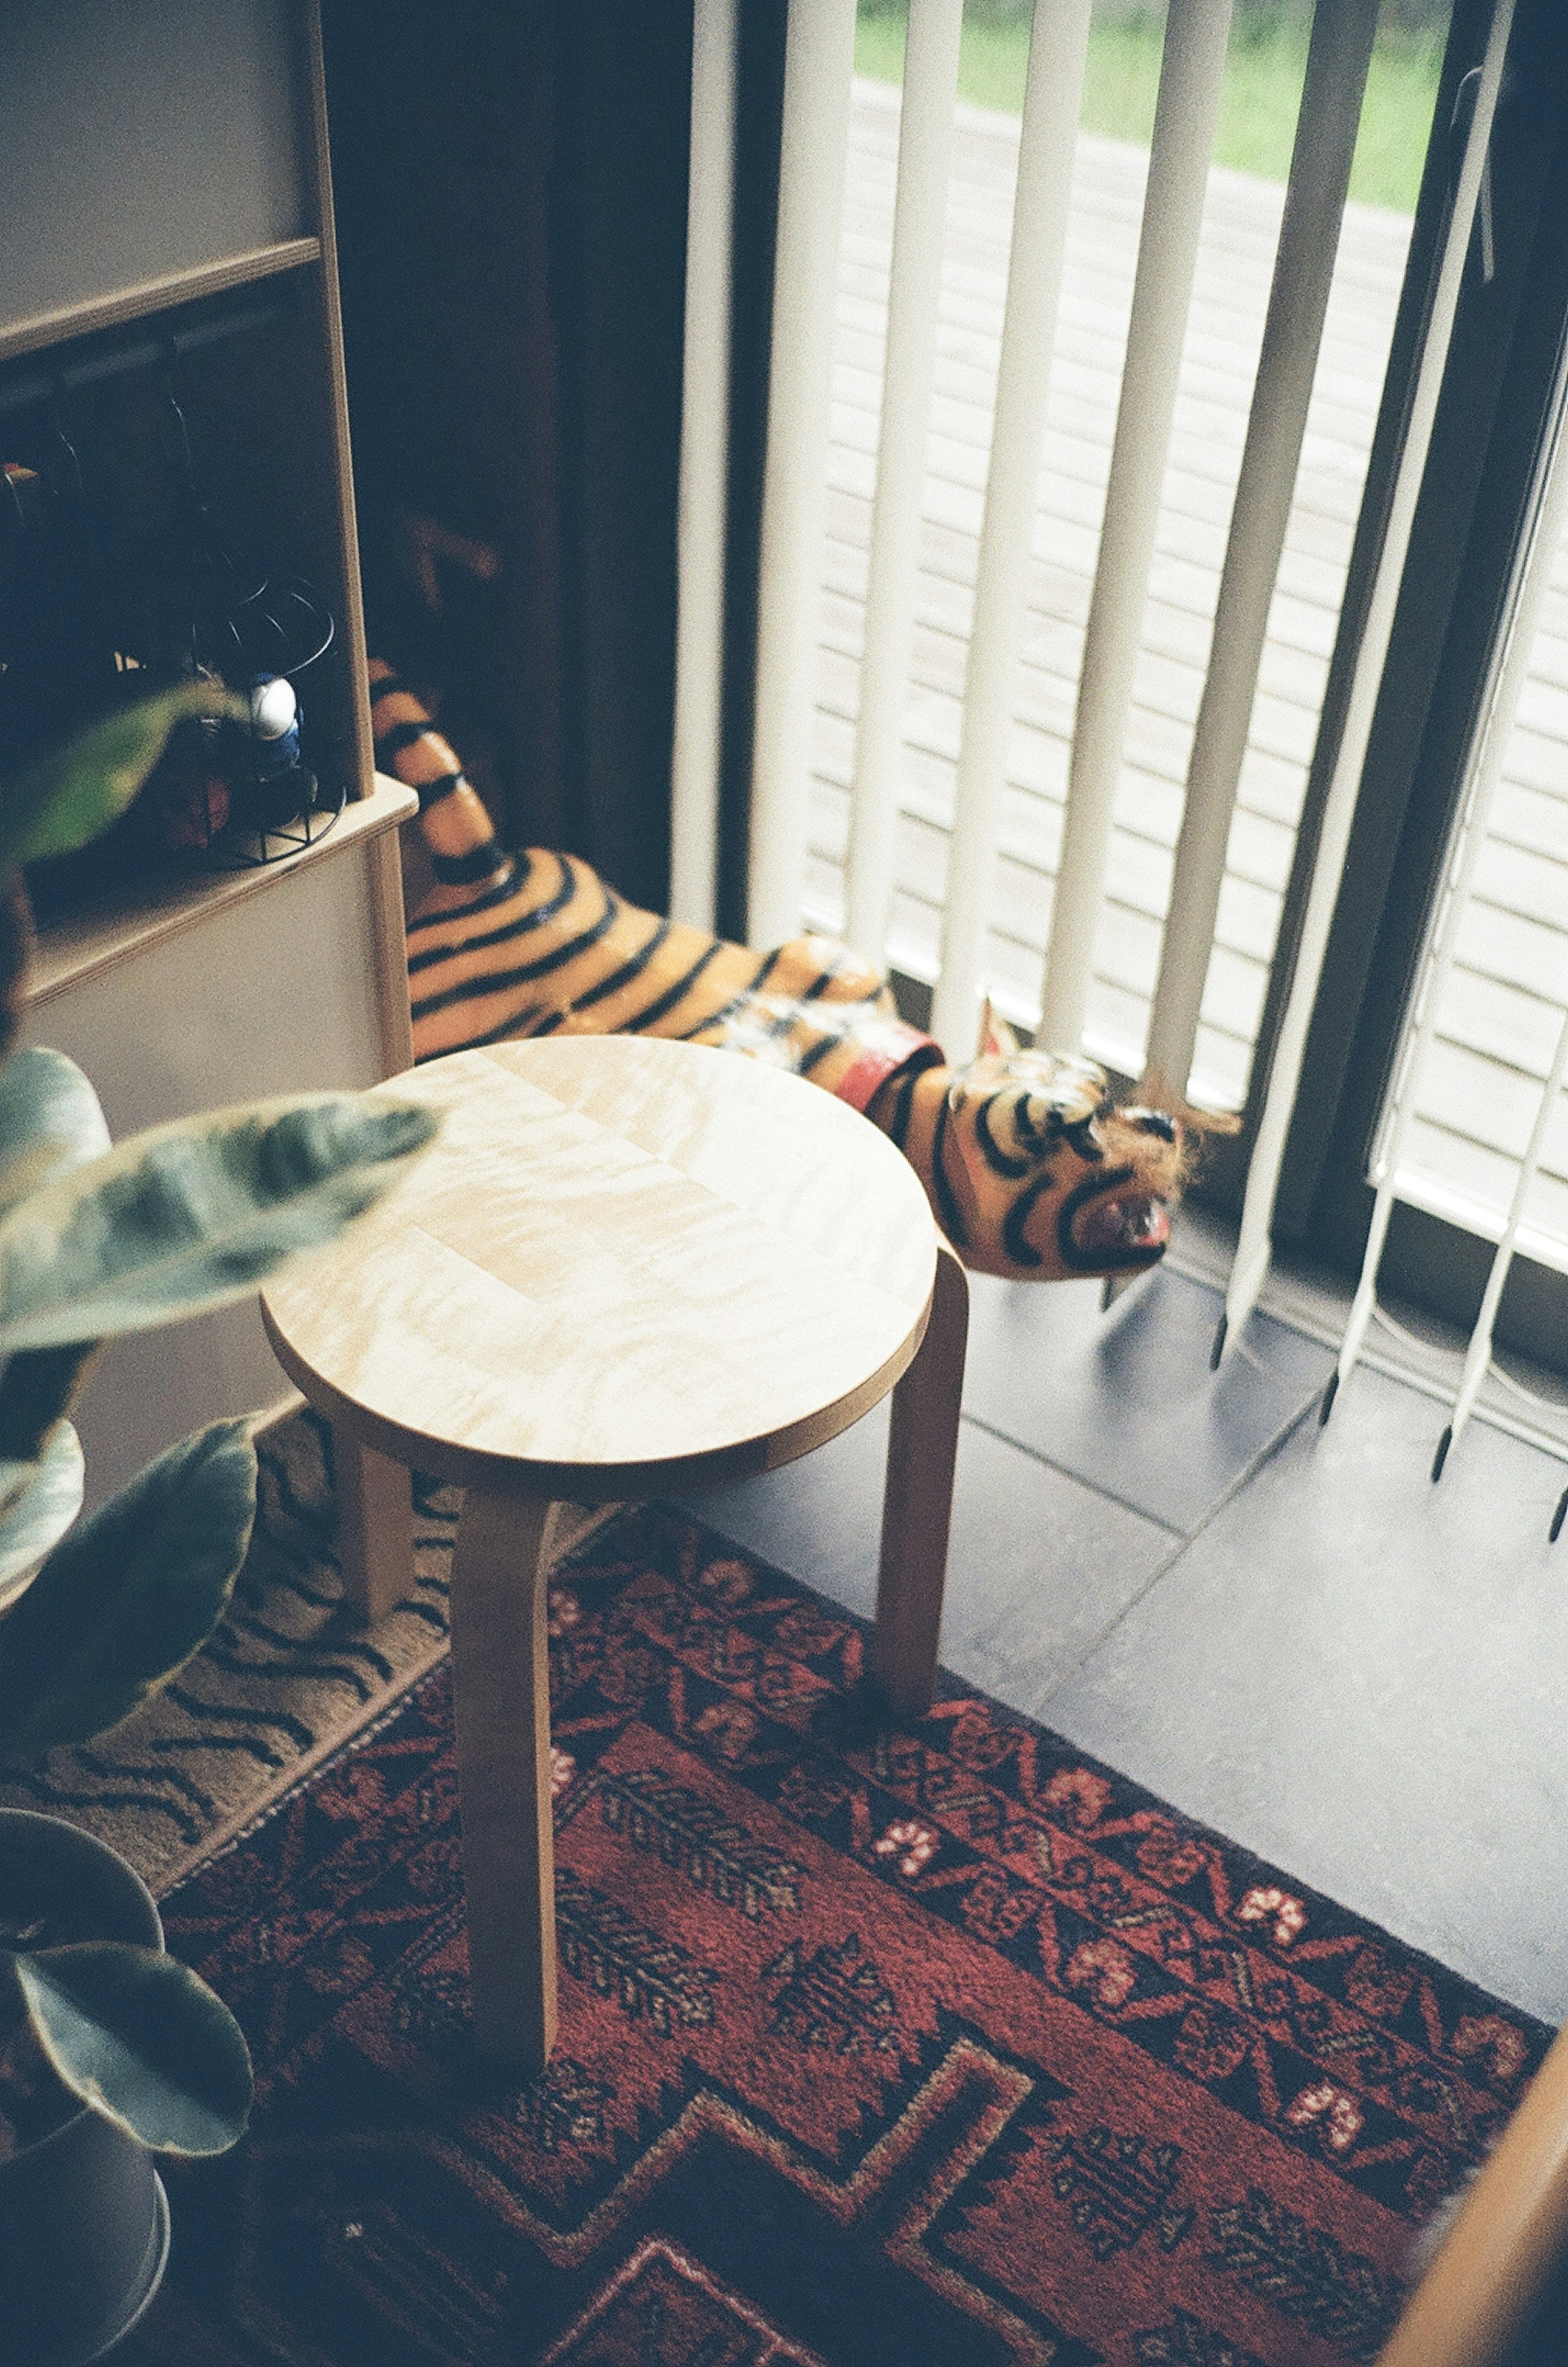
[1495,1025]
[1134,567]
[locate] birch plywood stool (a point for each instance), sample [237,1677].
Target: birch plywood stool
[629,1269]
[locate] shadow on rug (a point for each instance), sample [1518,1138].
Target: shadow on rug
[878,2048]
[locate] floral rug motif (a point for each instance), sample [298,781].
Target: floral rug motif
[936,2046]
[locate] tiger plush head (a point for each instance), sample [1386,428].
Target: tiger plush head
[1037,1174]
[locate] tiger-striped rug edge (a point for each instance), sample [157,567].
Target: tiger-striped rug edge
[289,1677]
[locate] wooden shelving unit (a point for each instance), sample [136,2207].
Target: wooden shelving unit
[154,296]
[165,187]
[116,929]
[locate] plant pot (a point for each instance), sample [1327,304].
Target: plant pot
[83,2219]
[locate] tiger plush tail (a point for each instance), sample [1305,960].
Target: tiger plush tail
[1029,1167]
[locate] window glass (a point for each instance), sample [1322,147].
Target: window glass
[1265,66]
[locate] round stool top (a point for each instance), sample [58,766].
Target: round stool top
[625,1265]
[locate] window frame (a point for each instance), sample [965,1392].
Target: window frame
[1473,512]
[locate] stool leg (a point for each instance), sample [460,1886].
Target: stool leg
[502,1699]
[375,1527]
[916,1510]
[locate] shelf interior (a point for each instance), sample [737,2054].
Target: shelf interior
[75,947]
[139,144]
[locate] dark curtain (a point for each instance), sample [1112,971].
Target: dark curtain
[511,191]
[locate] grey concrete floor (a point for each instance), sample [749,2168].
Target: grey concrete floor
[1285,1631]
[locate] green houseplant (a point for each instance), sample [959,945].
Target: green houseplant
[109,2049]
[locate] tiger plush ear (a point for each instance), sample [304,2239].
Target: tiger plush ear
[997,1041]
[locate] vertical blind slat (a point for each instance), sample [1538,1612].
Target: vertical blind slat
[1337,60]
[819,66]
[1478,1354]
[1533,580]
[1190,75]
[925,149]
[705,456]
[1052,94]
[1253,1247]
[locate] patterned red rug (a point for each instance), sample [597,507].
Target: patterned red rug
[928,2048]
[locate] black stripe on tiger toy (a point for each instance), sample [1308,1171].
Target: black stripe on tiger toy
[558,959]
[1032,1170]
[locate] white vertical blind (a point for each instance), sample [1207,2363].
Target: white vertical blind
[1053,95]
[1540,562]
[1190,76]
[1172,215]
[1242,227]
[819,66]
[925,150]
[1330,115]
[1478,1354]
[938,333]
[1253,1248]
[705,456]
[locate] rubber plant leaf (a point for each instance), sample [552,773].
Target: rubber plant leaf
[70,797]
[125,1598]
[37,1507]
[16,955]
[51,1121]
[142,2038]
[191,1215]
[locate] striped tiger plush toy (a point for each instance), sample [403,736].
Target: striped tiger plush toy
[1031,1170]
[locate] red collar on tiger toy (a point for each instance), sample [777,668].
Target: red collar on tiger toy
[897,1045]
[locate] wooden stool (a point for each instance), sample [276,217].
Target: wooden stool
[627,1269]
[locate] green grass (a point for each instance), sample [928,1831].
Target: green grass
[1257,107]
